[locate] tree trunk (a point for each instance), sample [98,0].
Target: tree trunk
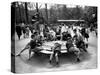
[46,12]
[26,12]
[20,13]
[37,8]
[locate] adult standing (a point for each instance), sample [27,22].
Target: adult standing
[18,30]
[23,29]
[63,29]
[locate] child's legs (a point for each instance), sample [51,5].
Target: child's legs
[29,53]
[22,51]
[19,36]
[24,35]
[96,33]
[87,39]
[51,56]
[78,55]
[56,56]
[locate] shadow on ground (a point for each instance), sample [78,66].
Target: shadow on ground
[42,60]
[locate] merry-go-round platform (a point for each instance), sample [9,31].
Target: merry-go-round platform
[46,47]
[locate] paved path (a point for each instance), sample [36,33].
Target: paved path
[67,62]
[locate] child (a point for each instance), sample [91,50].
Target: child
[69,44]
[72,48]
[56,51]
[32,46]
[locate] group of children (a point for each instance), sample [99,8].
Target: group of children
[74,44]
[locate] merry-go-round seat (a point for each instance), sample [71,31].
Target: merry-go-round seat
[46,47]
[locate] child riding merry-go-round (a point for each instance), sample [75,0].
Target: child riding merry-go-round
[32,45]
[56,50]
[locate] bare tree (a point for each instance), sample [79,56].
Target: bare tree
[26,12]
[46,12]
